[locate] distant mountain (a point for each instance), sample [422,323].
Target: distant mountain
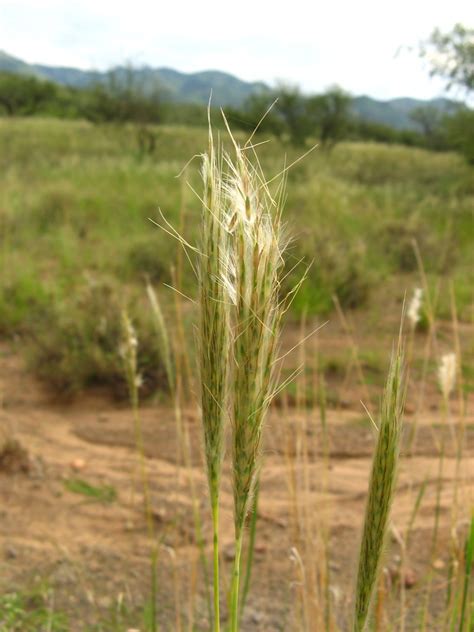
[17,66]
[397,112]
[227,90]
[180,86]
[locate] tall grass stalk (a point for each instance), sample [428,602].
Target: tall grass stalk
[434,539]
[467,614]
[214,332]
[348,330]
[174,371]
[250,548]
[430,303]
[381,489]
[128,353]
[256,266]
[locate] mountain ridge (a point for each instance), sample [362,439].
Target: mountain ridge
[227,90]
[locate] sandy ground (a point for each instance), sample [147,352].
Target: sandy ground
[96,554]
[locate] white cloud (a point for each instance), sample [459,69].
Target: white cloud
[313,44]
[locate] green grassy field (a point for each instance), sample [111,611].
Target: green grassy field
[77,244]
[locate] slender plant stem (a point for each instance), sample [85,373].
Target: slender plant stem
[154,588]
[215,530]
[469,557]
[434,542]
[235,587]
[129,354]
[251,548]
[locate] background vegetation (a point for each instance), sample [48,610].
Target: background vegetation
[77,244]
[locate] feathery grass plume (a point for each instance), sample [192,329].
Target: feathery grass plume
[414,307]
[381,488]
[447,374]
[254,280]
[214,332]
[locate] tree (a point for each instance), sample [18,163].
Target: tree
[430,122]
[329,115]
[124,97]
[285,109]
[459,131]
[451,56]
[296,116]
[250,115]
[20,95]
[290,108]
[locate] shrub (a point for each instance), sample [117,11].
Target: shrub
[146,259]
[76,343]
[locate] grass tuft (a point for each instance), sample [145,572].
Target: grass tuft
[100,493]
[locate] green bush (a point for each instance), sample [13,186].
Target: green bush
[149,258]
[460,133]
[77,343]
[23,302]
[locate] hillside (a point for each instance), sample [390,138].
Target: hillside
[397,112]
[189,88]
[227,90]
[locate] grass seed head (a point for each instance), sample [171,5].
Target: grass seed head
[256,265]
[414,308]
[214,325]
[381,489]
[447,374]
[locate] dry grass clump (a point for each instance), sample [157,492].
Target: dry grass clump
[14,458]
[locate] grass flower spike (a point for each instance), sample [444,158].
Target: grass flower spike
[255,271]
[414,308]
[447,374]
[381,489]
[214,331]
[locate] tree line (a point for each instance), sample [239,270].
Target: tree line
[284,112]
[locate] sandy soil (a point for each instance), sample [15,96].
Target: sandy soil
[94,554]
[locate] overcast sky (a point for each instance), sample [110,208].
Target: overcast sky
[361,45]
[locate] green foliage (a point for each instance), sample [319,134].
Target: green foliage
[25,95]
[459,130]
[76,244]
[290,108]
[329,114]
[429,120]
[30,612]
[128,97]
[100,493]
[119,98]
[23,301]
[145,261]
[296,117]
[76,342]
[451,56]
[361,129]
[467,614]
[123,97]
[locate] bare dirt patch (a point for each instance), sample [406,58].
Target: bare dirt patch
[94,551]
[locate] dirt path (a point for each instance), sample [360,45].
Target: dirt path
[93,553]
